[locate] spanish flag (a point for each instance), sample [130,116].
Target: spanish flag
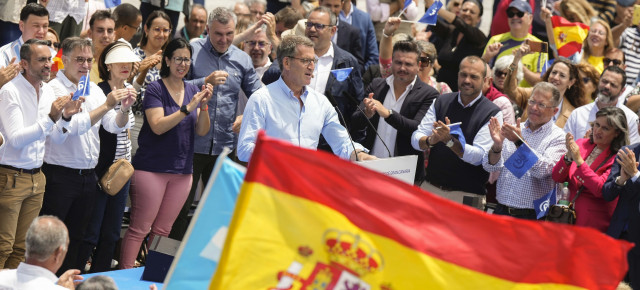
[57,62]
[308,220]
[568,36]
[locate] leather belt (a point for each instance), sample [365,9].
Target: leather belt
[71,170]
[518,211]
[21,170]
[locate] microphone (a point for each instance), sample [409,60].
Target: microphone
[335,106]
[353,100]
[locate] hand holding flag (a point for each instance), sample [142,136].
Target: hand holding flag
[431,16]
[83,88]
[543,204]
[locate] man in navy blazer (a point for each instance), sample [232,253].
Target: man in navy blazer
[362,20]
[624,183]
[395,106]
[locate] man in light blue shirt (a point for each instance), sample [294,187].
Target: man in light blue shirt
[288,110]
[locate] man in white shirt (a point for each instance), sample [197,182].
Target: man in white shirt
[47,243]
[395,107]
[28,114]
[72,152]
[611,85]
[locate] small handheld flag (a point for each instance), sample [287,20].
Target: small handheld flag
[542,204]
[431,16]
[342,74]
[456,130]
[568,36]
[521,161]
[83,88]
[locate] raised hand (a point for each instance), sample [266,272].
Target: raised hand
[127,102]
[72,107]
[628,164]
[151,61]
[9,72]
[57,106]
[573,149]
[492,50]
[217,78]
[512,132]
[117,95]
[393,23]
[496,135]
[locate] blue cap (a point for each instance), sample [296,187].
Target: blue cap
[521,5]
[626,3]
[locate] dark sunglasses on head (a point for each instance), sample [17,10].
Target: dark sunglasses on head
[425,61]
[511,13]
[616,62]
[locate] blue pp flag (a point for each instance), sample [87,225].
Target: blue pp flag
[521,161]
[111,3]
[342,74]
[431,16]
[198,256]
[83,88]
[406,4]
[456,130]
[542,204]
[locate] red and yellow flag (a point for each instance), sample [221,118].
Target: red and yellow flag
[308,220]
[57,62]
[568,36]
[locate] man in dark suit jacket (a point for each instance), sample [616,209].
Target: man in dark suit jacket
[624,183]
[347,36]
[395,106]
[362,20]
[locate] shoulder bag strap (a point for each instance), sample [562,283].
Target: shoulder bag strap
[582,187]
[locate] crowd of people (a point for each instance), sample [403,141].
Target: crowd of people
[168,97]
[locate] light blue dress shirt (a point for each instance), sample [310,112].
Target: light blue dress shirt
[276,110]
[223,103]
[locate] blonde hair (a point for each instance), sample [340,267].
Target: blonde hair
[608,40]
[577,11]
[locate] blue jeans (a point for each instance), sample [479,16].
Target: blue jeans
[104,228]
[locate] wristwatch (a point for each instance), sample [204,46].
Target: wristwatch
[450,143]
[184,110]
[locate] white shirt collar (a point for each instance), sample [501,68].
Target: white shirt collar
[470,103]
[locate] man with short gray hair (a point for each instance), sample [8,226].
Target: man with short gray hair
[516,195]
[47,243]
[216,61]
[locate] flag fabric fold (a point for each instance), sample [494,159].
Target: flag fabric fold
[306,219]
[83,88]
[521,160]
[343,73]
[543,204]
[568,36]
[431,16]
[456,130]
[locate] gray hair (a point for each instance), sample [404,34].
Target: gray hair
[25,49]
[45,235]
[99,282]
[333,19]
[71,43]
[401,37]
[503,63]
[222,15]
[263,2]
[617,119]
[289,45]
[548,88]
[427,48]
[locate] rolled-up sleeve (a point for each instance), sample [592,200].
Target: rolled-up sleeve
[425,127]
[481,143]
[253,120]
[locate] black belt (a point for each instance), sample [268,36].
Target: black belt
[29,171]
[518,211]
[70,170]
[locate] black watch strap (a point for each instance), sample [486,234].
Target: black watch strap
[518,143]
[184,110]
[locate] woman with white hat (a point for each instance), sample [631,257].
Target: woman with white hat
[114,66]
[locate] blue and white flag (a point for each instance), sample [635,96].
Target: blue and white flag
[406,4]
[83,88]
[521,161]
[111,3]
[342,74]
[431,16]
[199,254]
[456,130]
[543,204]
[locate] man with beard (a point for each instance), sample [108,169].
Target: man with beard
[258,48]
[516,195]
[395,106]
[612,82]
[451,162]
[29,112]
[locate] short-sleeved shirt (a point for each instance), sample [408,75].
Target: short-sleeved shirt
[172,151]
[533,61]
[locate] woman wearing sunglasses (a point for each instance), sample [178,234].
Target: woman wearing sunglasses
[464,40]
[590,78]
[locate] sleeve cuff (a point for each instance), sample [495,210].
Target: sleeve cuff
[635,177]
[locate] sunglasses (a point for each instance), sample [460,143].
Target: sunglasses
[586,80]
[511,13]
[608,61]
[501,74]
[425,61]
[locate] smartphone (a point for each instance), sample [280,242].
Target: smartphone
[537,46]
[636,15]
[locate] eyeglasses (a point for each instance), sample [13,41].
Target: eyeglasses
[318,26]
[55,45]
[425,61]
[501,74]
[136,28]
[81,60]
[258,12]
[161,30]
[542,106]
[181,60]
[586,80]
[306,61]
[511,13]
[608,61]
[260,44]
[598,32]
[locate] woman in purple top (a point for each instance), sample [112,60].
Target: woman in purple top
[164,161]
